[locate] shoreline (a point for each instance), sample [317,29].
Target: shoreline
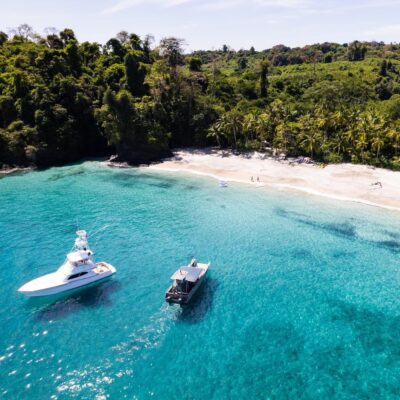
[343,182]
[14,170]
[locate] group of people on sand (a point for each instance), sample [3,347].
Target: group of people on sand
[258,179]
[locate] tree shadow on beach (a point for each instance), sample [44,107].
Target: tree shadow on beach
[64,305]
[200,304]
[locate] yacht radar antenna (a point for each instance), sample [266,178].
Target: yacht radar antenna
[81,241]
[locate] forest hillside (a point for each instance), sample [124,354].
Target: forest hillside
[62,100]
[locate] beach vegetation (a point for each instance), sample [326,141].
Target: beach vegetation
[62,100]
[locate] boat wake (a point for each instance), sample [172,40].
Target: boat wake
[148,336]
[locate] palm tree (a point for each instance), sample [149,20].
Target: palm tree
[394,135]
[229,125]
[235,125]
[339,144]
[376,129]
[337,120]
[377,143]
[264,128]
[310,137]
[310,141]
[362,143]
[219,129]
[285,134]
[214,132]
[250,126]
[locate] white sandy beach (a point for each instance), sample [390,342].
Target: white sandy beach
[341,181]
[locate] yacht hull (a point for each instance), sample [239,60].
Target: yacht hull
[60,287]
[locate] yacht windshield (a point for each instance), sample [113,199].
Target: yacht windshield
[76,275]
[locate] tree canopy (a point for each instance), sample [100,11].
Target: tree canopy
[61,100]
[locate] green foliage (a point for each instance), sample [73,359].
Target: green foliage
[115,47]
[195,64]
[135,42]
[242,63]
[134,74]
[61,100]
[171,49]
[263,78]
[391,108]
[383,71]
[67,35]
[356,51]
[3,38]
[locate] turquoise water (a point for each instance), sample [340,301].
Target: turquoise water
[302,301]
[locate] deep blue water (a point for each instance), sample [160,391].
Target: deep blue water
[302,301]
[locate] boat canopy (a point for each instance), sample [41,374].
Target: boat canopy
[190,274]
[77,256]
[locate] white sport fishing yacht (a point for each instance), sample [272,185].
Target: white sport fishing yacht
[186,281]
[79,269]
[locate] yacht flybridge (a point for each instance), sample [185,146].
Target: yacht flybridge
[186,281]
[79,269]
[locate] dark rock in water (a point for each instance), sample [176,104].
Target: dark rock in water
[128,154]
[49,156]
[144,154]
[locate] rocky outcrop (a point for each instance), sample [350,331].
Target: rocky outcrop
[144,154]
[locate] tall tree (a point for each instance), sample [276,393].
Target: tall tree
[24,31]
[171,49]
[195,64]
[135,74]
[263,78]
[135,42]
[67,35]
[123,36]
[3,38]
[116,48]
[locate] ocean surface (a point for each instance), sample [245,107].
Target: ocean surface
[302,300]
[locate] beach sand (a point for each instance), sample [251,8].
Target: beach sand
[346,182]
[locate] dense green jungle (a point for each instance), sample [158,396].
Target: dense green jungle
[62,100]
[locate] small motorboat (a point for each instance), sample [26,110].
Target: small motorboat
[79,269]
[223,184]
[186,281]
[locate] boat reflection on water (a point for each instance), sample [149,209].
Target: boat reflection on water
[62,306]
[200,305]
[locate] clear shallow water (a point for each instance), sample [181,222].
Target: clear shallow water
[302,300]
